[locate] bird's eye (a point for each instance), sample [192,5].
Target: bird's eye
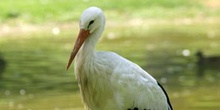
[90,23]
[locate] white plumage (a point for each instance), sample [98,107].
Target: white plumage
[108,81]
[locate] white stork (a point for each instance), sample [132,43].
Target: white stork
[108,81]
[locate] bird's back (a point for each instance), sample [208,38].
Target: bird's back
[129,85]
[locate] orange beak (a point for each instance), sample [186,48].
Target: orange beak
[83,34]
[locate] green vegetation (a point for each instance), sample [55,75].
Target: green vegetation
[43,11]
[161,36]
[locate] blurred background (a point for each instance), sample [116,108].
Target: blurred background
[176,41]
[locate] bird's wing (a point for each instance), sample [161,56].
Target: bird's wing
[168,100]
[135,87]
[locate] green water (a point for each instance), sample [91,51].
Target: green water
[35,76]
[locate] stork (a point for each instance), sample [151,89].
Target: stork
[108,81]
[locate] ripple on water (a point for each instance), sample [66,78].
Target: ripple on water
[7,92]
[22,92]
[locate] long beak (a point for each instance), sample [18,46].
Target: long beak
[83,34]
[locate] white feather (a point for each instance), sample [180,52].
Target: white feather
[108,81]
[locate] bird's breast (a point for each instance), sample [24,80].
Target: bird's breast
[93,82]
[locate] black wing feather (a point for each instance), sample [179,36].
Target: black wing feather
[168,100]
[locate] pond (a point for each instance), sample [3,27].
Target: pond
[33,75]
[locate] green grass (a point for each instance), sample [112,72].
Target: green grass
[43,11]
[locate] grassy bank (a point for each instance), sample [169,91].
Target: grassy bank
[44,11]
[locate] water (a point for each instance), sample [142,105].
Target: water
[35,77]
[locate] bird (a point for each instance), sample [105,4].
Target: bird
[107,81]
[205,62]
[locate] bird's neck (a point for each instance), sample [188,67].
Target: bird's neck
[88,48]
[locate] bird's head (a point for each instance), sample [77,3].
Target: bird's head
[92,19]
